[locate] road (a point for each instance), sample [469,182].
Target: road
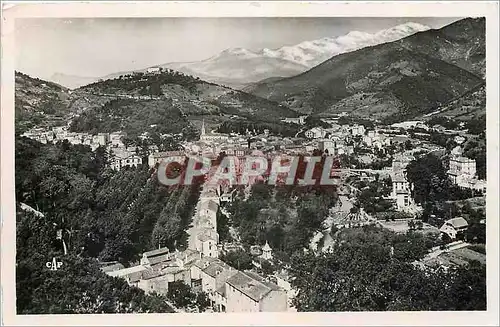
[342,210]
[451,247]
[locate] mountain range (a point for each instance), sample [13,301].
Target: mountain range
[437,71]
[238,67]
[395,80]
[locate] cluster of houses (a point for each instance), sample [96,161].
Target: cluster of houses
[462,172]
[229,289]
[61,133]
[120,156]
[342,135]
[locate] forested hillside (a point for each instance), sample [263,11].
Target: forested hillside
[191,95]
[38,101]
[98,214]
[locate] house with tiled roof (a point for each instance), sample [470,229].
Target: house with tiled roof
[248,292]
[206,242]
[453,227]
[131,274]
[154,281]
[155,256]
[166,268]
[214,278]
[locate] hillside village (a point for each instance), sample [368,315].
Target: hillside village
[363,151]
[408,202]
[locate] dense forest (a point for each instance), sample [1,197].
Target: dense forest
[286,217]
[92,212]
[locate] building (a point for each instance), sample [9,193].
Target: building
[157,157]
[153,281]
[208,209]
[227,196]
[401,161]
[212,137]
[116,138]
[315,133]
[410,124]
[301,120]
[267,252]
[206,242]
[111,266]
[460,165]
[214,277]
[197,267]
[357,130]
[132,274]
[125,159]
[401,191]
[401,187]
[102,138]
[454,226]
[165,268]
[475,184]
[327,145]
[248,292]
[154,257]
[153,70]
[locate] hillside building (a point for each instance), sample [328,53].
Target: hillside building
[460,166]
[315,133]
[454,226]
[125,159]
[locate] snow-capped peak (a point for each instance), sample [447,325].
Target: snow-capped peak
[247,66]
[311,53]
[235,52]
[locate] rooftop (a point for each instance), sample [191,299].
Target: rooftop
[157,252]
[150,274]
[266,247]
[127,271]
[167,154]
[458,222]
[158,259]
[204,262]
[210,205]
[187,255]
[462,159]
[205,237]
[251,285]
[216,268]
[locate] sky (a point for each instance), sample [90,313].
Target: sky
[95,47]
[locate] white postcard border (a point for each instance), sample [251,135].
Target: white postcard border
[14,10]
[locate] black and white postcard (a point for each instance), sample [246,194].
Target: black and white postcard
[250,163]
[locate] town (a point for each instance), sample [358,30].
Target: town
[378,153]
[341,170]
